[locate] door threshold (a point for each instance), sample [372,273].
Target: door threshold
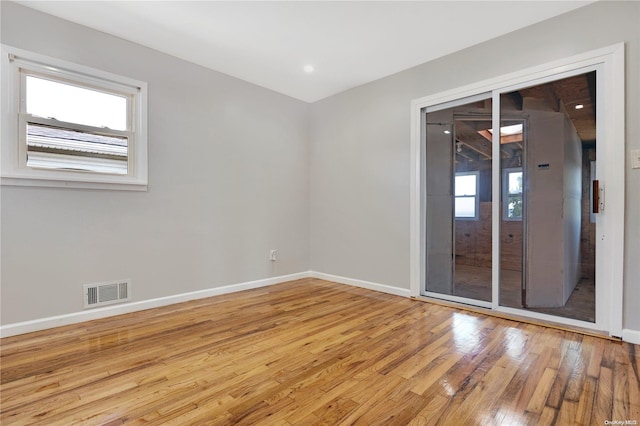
[519,318]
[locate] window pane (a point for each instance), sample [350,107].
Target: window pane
[465,207]
[64,102]
[515,183]
[514,207]
[56,148]
[465,185]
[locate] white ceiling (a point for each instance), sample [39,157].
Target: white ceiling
[269,43]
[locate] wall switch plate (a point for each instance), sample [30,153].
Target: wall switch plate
[635,158]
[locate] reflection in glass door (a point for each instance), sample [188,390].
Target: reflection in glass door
[459,201]
[556,249]
[547,232]
[512,211]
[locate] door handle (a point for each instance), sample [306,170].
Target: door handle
[598,197]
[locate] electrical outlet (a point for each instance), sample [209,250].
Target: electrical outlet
[635,158]
[273,255]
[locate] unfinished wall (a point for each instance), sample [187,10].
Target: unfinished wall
[572,207]
[554,165]
[473,241]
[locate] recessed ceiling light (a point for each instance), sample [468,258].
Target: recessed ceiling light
[308,69]
[579,106]
[447,132]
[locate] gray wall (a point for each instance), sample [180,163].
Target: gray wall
[236,170]
[228,180]
[360,145]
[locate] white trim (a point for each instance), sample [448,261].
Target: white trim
[109,311]
[611,112]
[615,179]
[529,74]
[416,201]
[72,72]
[496,244]
[458,299]
[8,330]
[458,102]
[551,318]
[383,288]
[15,181]
[631,336]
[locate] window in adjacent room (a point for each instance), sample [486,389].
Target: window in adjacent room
[466,195]
[512,201]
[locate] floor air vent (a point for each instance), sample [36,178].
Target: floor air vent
[106,293]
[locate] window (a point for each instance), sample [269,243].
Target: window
[69,125]
[512,189]
[61,133]
[466,195]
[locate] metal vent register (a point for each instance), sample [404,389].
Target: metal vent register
[106,293]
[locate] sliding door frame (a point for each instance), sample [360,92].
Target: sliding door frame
[609,62]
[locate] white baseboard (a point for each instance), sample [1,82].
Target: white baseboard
[360,283]
[628,335]
[631,336]
[109,311]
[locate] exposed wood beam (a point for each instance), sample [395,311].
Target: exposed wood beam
[486,134]
[551,97]
[470,138]
[464,155]
[477,148]
[503,139]
[591,82]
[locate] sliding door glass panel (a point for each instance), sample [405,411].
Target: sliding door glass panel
[548,152]
[512,206]
[458,201]
[439,201]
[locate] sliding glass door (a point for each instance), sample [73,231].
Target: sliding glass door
[458,200]
[547,224]
[510,197]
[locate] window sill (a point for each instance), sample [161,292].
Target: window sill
[52,183]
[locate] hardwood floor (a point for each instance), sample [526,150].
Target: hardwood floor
[314,352]
[474,282]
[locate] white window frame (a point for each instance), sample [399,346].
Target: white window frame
[16,64]
[505,193]
[476,196]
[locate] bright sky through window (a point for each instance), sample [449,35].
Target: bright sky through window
[64,102]
[465,185]
[465,195]
[515,183]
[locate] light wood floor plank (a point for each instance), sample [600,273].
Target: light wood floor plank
[311,352]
